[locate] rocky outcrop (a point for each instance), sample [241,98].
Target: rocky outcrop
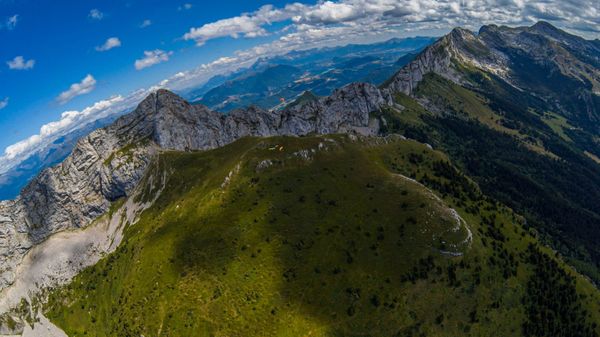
[346,110]
[83,186]
[437,58]
[108,163]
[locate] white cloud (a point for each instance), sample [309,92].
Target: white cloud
[185,6]
[84,87]
[19,63]
[3,103]
[401,15]
[152,57]
[110,43]
[68,118]
[332,12]
[12,21]
[96,14]
[234,27]
[17,149]
[146,23]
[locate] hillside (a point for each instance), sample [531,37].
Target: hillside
[327,235]
[533,147]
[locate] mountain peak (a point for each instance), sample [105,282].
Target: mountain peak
[544,26]
[161,102]
[489,29]
[165,92]
[460,32]
[165,96]
[152,104]
[460,35]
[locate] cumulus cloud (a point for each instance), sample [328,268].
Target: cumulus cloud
[11,22]
[580,16]
[332,12]
[96,14]
[3,103]
[146,23]
[234,27]
[19,63]
[348,12]
[84,87]
[110,43]
[152,57]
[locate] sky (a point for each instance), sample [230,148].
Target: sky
[66,63]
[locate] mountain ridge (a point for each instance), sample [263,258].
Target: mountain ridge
[107,164]
[550,65]
[316,60]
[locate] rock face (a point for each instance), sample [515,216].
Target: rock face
[436,58]
[330,115]
[108,163]
[15,179]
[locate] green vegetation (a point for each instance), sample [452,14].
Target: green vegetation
[558,124]
[249,241]
[464,103]
[552,301]
[306,97]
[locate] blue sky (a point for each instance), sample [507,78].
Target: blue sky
[66,63]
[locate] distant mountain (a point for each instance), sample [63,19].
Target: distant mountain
[405,59]
[213,82]
[320,71]
[263,88]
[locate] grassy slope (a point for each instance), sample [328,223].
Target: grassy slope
[337,245]
[466,103]
[519,169]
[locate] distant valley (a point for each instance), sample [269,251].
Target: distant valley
[272,82]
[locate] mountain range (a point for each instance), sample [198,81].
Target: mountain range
[458,197]
[283,78]
[263,84]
